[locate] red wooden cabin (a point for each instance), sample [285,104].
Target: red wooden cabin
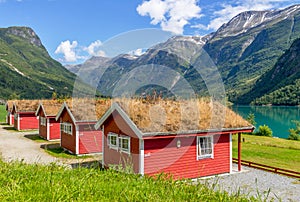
[49,127]
[9,116]
[170,137]
[77,120]
[24,114]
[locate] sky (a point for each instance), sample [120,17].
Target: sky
[74,30]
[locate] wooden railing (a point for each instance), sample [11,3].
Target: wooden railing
[281,171]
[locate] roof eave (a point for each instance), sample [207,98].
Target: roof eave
[190,132]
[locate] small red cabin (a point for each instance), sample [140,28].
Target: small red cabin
[77,120]
[49,127]
[187,139]
[9,116]
[24,114]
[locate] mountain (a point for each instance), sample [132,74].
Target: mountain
[249,45]
[281,84]
[244,49]
[27,70]
[158,63]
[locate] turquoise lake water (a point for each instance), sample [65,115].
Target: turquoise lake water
[278,118]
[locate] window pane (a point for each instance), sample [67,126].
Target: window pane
[125,144]
[204,147]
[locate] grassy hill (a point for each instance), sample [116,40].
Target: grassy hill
[27,70]
[281,84]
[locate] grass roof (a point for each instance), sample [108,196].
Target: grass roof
[52,107]
[182,115]
[9,104]
[26,105]
[84,109]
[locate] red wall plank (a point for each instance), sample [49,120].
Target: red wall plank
[90,140]
[116,124]
[162,155]
[54,129]
[28,121]
[68,141]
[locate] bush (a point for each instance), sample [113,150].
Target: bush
[264,131]
[251,118]
[295,132]
[293,135]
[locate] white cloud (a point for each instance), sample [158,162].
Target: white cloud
[172,15]
[229,10]
[68,49]
[93,49]
[137,52]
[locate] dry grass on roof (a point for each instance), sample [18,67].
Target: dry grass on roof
[27,105]
[184,115]
[52,107]
[9,104]
[85,109]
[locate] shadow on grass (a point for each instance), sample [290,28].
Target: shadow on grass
[87,164]
[55,150]
[35,137]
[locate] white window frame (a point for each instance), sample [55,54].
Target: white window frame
[209,143]
[66,128]
[122,149]
[43,121]
[109,142]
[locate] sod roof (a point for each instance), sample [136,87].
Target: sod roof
[184,115]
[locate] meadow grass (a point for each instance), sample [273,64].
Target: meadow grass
[2,114]
[61,153]
[270,151]
[20,182]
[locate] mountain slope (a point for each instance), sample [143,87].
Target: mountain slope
[281,84]
[26,68]
[250,44]
[175,55]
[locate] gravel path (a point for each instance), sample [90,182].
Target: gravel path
[15,146]
[260,184]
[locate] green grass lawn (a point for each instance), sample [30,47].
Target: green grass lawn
[2,114]
[59,152]
[20,182]
[270,151]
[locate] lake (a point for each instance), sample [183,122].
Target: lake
[278,118]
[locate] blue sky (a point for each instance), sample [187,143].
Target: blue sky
[72,30]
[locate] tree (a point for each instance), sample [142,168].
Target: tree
[14,96]
[295,132]
[251,118]
[54,95]
[264,130]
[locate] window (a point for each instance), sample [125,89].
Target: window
[204,147]
[124,144]
[43,121]
[112,140]
[121,143]
[66,128]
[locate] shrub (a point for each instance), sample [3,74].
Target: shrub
[293,135]
[251,118]
[295,132]
[264,131]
